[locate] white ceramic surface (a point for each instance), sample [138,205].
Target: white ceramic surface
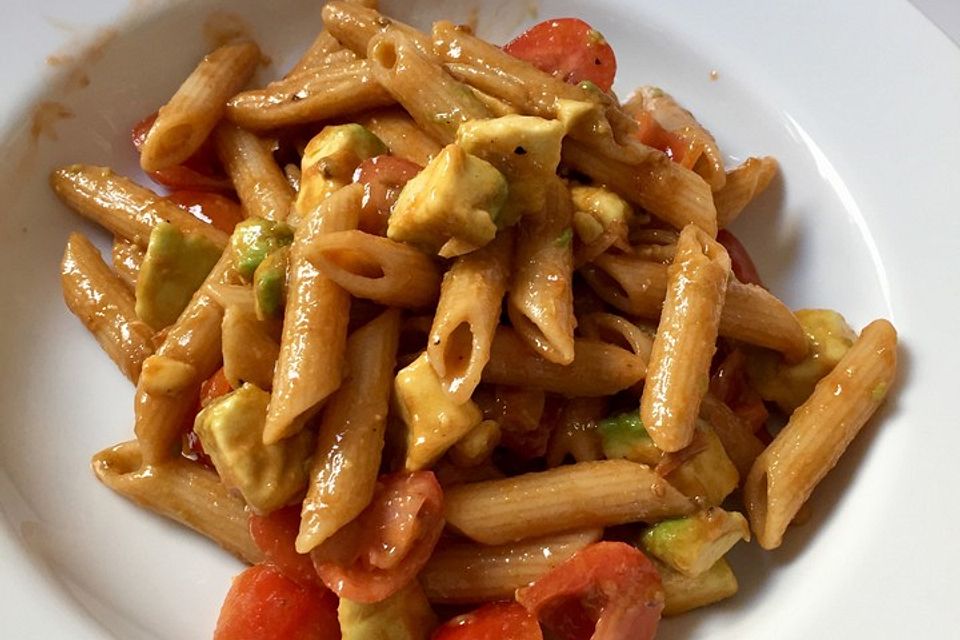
[857,99]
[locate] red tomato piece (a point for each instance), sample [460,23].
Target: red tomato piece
[568,48]
[741,262]
[653,135]
[211,389]
[201,172]
[607,591]
[494,621]
[264,604]
[212,208]
[275,535]
[383,178]
[385,547]
[729,384]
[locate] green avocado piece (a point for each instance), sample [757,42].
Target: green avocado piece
[270,284]
[709,476]
[623,436]
[231,431]
[254,239]
[330,159]
[174,267]
[406,615]
[693,544]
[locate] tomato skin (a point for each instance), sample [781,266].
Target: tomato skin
[201,172]
[384,548]
[210,389]
[212,208]
[383,178]
[729,383]
[213,387]
[263,604]
[653,135]
[606,591]
[568,48]
[741,262]
[493,621]
[275,534]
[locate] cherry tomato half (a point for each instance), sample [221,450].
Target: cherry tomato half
[568,48]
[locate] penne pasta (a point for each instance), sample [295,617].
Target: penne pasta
[619,331]
[317,54]
[355,25]
[185,122]
[401,135]
[105,306]
[183,491]
[376,268]
[597,369]
[344,470]
[315,323]
[819,431]
[686,340]
[540,302]
[463,573]
[126,258]
[260,184]
[743,184]
[467,315]
[123,207]
[577,496]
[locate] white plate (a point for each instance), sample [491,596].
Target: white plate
[857,99]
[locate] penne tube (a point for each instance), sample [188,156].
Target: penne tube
[618,331]
[126,258]
[316,94]
[401,135]
[740,444]
[249,351]
[317,54]
[263,189]
[750,313]
[743,184]
[355,25]
[597,369]
[123,207]
[376,268]
[437,102]
[350,440]
[185,122]
[540,302]
[183,491]
[566,498]
[170,380]
[315,323]
[105,306]
[819,431]
[467,315]
[465,573]
[686,340]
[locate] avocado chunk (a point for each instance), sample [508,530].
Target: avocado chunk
[329,160]
[682,593]
[525,149]
[174,267]
[623,436]
[597,210]
[406,615]
[254,239]
[451,207]
[708,476]
[693,544]
[270,284]
[790,385]
[231,431]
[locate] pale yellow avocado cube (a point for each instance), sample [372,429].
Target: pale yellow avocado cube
[525,149]
[406,615]
[597,209]
[693,544]
[330,159]
[450,207]
[231,431]
[683,593]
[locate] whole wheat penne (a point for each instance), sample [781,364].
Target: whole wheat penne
[743,184]
[750,313]
[315,322]
[185,122]
[741,445]
[597,369]
[263,189]
[686,339]
[617,330]
[183,491]
[467,315]
[126,258]
[122,206]
[540,302]
[463,573]
[577,496]
[312,95]
[344,470]
[354,26]
[170,380]
[437,102]
[819,431]
[376,268]
[249,350]
[105,306]
[401,134]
